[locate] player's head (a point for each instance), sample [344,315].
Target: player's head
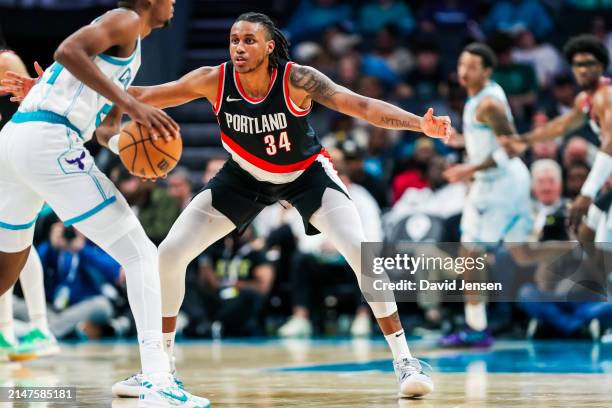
[588,57]
[254,39]
[160,11]
[476,64]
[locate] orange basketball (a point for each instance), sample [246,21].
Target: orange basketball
[143,156]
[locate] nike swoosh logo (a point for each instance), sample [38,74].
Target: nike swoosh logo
[230,99]
[182,397]
[399,334]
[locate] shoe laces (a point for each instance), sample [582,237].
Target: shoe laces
[408,366]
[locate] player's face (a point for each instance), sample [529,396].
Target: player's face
[162,12]
[249,46]
[587,70]
[470,70]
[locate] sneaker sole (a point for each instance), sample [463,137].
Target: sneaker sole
[125,391]
[153,403]
[48,351]
[23,356]
[416,388]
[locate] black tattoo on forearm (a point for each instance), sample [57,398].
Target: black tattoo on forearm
[318,86]
[395,123]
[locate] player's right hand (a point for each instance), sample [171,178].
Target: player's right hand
[155,120]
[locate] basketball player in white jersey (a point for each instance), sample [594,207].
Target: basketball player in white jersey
[497,207]
[39,341]
[42,158]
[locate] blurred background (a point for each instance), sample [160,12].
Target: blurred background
[404,52]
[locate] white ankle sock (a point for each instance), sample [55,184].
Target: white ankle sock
[476,316]
[399,346]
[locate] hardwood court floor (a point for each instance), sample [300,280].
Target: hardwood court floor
[271,374]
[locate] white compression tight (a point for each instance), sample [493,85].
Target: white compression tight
[200,225]
[339,221]
[138,256]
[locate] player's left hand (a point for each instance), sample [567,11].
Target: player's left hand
[438,127]
[578,209]
[459,172]
[18,85]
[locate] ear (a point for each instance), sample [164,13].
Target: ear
[270,46]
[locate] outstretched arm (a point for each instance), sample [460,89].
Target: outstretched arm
[199,83]
[307,84]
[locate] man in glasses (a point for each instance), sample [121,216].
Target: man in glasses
[589,58]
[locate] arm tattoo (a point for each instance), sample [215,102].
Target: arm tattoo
[398,123]
[498,121]
[318,86]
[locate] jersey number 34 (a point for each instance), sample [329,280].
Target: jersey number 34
[274,147]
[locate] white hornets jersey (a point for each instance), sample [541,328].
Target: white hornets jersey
[58,92]
[480,140]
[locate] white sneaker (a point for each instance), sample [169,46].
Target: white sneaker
[413,381]
[167,394]
[362,326]
[296,327]
[130,387]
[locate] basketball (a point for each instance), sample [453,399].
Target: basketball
[145,157]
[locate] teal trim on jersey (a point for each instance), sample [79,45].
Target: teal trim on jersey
[44,116]
[97,183]
[121,61]
[480,125]
[91,212]
[17,227]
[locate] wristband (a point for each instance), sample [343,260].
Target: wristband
[602,167]
[113,144]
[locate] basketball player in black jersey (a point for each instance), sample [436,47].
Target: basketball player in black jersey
[262,101]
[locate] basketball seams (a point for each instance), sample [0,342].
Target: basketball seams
[131,137]
[142,141]
[163,152]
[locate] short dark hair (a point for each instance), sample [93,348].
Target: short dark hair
[484,52]
[587,43]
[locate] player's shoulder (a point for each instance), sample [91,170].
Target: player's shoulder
[603,96]
[9,60]
[491,103]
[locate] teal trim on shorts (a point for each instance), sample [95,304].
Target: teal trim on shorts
[18,227]
[44,116]
[91,212]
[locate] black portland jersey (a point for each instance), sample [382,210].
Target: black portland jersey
[269,137]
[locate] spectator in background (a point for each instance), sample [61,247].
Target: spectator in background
[426,80]
[312,17]
[563,92]
[549,208]
[155,208]
[414,170]
[179,186]
[379,156]
[512,15]
[548,149]
[576,173]
[213,166]
[543,57]
[375,15]
[389,48]
[578,149]
[234,280]
[518,80]
[353,157]
[602,31]
[80,281]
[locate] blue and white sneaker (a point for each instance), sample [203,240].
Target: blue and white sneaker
[167,394]
[130,387]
